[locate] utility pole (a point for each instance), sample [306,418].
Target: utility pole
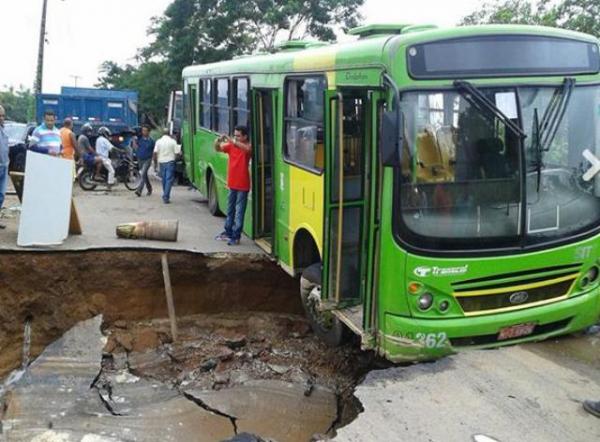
[40,63]
[75,78]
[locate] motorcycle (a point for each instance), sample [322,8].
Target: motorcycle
[126,171]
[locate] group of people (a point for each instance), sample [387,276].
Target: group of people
[48,139]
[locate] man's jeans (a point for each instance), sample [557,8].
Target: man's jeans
[3,182]
[236,207]
[167,173]
[144,167]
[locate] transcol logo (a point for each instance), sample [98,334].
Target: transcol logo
[424,271]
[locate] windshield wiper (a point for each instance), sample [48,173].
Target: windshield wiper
[537,147]
[554,114]
[544,132]
[476,98]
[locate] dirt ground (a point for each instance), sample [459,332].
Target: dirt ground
[54,291]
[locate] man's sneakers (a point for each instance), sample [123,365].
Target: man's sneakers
[230,241]
[222,236]
[592,407]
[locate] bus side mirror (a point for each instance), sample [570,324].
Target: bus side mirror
[392,133]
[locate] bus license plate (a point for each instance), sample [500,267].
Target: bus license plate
[515,331]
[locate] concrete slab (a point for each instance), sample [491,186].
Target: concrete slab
[55,400]
[100,212]
[510,394]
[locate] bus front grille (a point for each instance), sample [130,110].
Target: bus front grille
[517,295]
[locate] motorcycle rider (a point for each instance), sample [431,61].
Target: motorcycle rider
[85,151]
[103,148]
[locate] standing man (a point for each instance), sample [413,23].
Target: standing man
[46,137]
[145,149]
[239,150]
[165,152]
[3,158]
[68,141]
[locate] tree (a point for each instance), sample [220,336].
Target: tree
[513,12]
[18,103]
[150,79]
[576,15]
[580,15]
[206,31]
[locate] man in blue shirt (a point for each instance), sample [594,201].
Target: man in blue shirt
[145,148]
[3,157]
[46,137]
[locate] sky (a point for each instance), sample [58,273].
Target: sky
[82,34]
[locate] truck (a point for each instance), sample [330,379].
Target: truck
[115,109]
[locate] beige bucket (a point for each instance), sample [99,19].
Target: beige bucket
[159,230]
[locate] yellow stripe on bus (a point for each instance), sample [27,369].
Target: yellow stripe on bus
[514,288]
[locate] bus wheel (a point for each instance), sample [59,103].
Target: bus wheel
[325,325]
[213,200]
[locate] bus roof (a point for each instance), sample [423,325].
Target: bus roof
[370,50]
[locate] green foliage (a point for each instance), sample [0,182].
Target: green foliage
[580,15]
[513,12]
[18,103]
[150,79]
[206,31]
[576,15]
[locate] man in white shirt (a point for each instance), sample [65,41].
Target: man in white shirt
[166,150]
[103,147]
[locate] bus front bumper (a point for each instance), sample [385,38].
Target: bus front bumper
[406,339]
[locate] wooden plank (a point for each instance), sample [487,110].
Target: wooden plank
[17,180]
[74,224]
[169,295]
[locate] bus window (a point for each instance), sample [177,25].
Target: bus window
[304,122]
[240,102]
[205,117]
[221,98]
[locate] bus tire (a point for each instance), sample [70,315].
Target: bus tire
[325,325]
[213,200]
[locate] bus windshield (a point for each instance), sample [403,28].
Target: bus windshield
[469,181]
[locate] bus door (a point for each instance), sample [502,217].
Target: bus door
[346,204]
[263,143]
[188,142]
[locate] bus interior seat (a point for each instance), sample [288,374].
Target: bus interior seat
[447,145]
[429,159]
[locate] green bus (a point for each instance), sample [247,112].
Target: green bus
[433,189]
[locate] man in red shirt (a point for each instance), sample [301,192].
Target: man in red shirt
[239,151]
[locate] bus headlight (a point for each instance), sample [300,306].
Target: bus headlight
[425,301]
[592,274]
[444,306]
[590,277]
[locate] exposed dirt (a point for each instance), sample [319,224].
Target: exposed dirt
[242,336]
[57,290]
[229,350]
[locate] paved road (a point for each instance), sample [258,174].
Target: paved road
[524,393]
[101,211]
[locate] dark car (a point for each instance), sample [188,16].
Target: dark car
[17,142]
